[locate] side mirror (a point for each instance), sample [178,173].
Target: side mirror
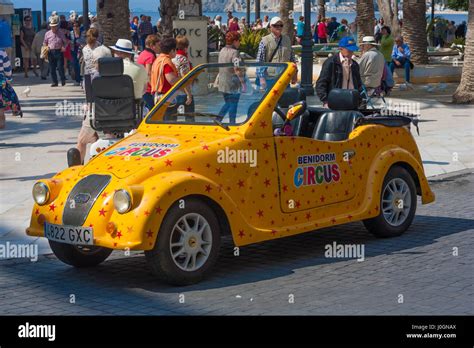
[73,157]
[295,111]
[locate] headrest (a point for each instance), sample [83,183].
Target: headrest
[291,96]
[110,66]
[343,99]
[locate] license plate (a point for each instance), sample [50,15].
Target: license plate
[76,235]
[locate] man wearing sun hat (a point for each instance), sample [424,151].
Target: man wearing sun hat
[339,71]
[124,49]
[274,48]
[56,42]
[371,64]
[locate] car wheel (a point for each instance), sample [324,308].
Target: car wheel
[188,244]
[79,256]
[397,205]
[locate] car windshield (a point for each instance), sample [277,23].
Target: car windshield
[222,94]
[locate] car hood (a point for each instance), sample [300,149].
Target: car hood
[156,153]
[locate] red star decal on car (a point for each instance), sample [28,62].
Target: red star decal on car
[260,213]
[189,169]
[55,218]
[129,229]
[208,188]
[360,176]
[146,213]
[102,212]
[208,165]
[119,234]
[275,92]
[285,188]
[241,183]
[321,199]
[266,146]
[52,207]
[168,163]
[298,204]
[241,233]
[368,144]
[346,193]
[205,147]
[267,182]
[149,233]
[263,124]
[37,212]
[283,155]
[158,210]
[349,217]
[333,220]
[273,232]
[219,171]
[151,168]
[308,216]
[104,195]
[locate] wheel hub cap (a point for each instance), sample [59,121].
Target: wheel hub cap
[396,201]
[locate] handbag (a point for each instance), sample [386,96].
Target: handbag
[158,95]
[44,53]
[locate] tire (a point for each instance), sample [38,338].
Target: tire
[387,225]
[189,265]
[79,256]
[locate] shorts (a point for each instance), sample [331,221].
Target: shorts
[87,135]
[26,53]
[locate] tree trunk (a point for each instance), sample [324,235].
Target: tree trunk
[113,16]
[465,91]
[288,23]
[390,15]
[414,29]
[365,18]
[322,8]
[168,9]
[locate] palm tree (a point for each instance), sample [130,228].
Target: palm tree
[390,14]
[322,8]
[365,18]
[465,91]
[288,23]
[113,19]
[168,9]
[414,29]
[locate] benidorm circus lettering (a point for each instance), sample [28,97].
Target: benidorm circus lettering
[153,150]
[311,173]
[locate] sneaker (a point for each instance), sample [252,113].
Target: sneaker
[63,83]
[409,85]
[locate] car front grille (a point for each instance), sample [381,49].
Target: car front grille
[82,198]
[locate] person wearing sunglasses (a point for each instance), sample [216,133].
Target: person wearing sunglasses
[274,48]
[27,35]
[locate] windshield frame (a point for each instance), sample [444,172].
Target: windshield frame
[148,119]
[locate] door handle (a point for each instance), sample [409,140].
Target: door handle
[347,155]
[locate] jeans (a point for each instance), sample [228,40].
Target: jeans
[405,63]
[149,100]
[230,106]
[142,41]
[56,61]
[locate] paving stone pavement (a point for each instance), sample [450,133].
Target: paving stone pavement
[419,267]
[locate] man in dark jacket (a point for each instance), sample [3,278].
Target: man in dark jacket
[339,71]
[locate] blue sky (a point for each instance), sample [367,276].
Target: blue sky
[66,5]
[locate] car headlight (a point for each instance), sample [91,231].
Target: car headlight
[122,201]
[40,193]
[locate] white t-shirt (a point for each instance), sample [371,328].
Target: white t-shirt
[139,76]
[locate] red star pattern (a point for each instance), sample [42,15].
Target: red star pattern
[149,234]
[102,212]
[52,207]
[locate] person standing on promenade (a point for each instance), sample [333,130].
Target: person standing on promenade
[183,65]
[274,48]
[8,97]
[144,29]
[163,72]
[36,49]
[27,35]
[134,31]
[322,31]
[76,52]
[146,58]
[56,42]
[371,64]
[386,43]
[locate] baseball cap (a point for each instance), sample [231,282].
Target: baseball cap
[348,43]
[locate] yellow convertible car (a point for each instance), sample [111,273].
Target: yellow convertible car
[241,160]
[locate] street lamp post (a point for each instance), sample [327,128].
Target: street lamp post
[248,13]
[307,52]
[43,12]
[85,14]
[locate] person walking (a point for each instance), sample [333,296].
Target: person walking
[144,29]
[230,79]
[163,72]
[401,56]
[386,43]
[76,52]
[27,35]
[322,31]
[146,58]
[36,50]
[56,42]
[339,71]
[134,30]
[371,64]
[89,69]
[8,98]
[300,29]
[274,48]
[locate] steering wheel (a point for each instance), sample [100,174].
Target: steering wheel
[280,112]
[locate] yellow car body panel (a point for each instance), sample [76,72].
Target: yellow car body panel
[165,164]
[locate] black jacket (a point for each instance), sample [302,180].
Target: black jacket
[331,77]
